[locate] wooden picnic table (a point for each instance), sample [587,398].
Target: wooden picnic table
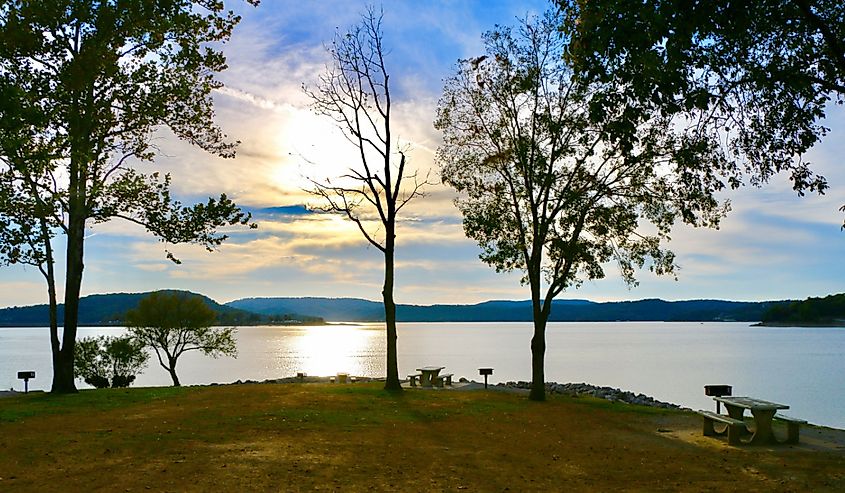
[762,411]
[429,373]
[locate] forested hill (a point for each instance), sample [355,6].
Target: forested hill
[352,309]
[829,310]
[109,309]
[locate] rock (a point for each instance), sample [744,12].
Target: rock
[608,393]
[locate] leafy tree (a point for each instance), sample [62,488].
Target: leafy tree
[99,360]
[174,323]
[355,93]
[750,78]
[548,187]
[84,86]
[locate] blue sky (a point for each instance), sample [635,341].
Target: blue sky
[773,245]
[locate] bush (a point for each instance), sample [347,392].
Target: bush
[97,381]
[103,359]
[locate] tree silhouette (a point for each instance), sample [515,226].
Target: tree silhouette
[103,361]
[752,79]
[550,189]
[174,323]
[355,93]
[83,88]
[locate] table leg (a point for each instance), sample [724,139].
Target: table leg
[736,412]
[425,380]
[763,427]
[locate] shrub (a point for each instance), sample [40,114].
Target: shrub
[103,359]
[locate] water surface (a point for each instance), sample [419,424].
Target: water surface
[801,367]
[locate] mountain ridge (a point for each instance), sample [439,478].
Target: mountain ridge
[577,310]
[107,309]
[110,308]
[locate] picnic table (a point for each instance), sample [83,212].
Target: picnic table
[429,373]
[762,411]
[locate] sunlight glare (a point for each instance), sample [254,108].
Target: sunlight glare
[328,350]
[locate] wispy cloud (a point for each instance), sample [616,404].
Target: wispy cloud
[774,244]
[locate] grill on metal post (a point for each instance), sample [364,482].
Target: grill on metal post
[717,391]
[25,376]
[485,372]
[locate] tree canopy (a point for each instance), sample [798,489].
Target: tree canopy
[85,86]
[174,323]
[829,310]
[557,176]
[752,79]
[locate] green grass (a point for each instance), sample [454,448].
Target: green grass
[13,409]
[367,405]
[372,405]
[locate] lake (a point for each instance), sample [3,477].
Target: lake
[801,367]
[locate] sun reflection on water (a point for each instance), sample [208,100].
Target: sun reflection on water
[328,350]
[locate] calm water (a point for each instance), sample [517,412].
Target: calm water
[802,367]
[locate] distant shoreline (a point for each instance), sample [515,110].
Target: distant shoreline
[836,324]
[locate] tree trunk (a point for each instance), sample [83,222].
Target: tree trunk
[538,355]
[50,277]
[80,156]
[172,369]
[392,383]
[538,341]
[63,379]
[54,322]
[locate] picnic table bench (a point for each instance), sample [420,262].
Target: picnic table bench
[440,380]
[792,425]
[734,429]
[413,379]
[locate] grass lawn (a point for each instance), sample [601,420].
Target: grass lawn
[304,437]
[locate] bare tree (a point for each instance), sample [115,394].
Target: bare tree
[355,93]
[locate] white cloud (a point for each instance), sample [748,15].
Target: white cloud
[772,244]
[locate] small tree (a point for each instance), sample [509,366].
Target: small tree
[103,359]
[550,189]
[172,324]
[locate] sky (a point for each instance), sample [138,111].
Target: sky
[773,245]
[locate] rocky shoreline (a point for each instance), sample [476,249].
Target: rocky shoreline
[303,379]
[609,393]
